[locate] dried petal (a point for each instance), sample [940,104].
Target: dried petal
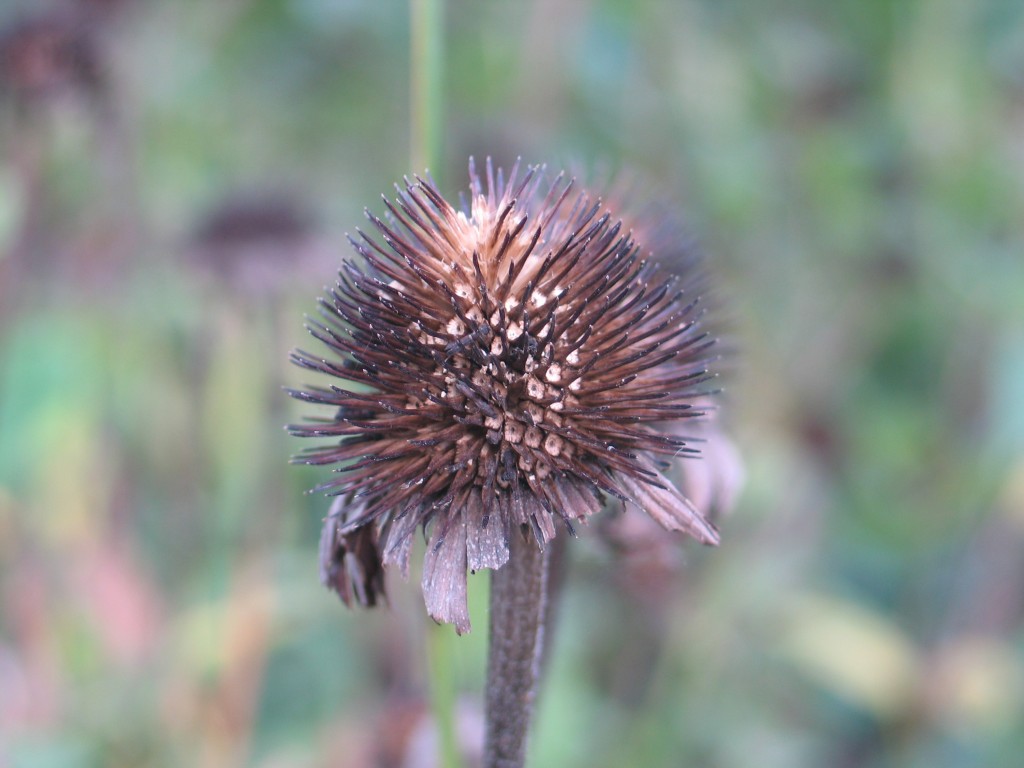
[444,573]
[350,562]
[486,535]
[670,509]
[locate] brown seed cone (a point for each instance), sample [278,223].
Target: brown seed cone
[502,366]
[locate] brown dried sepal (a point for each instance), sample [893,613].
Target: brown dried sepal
[350,562]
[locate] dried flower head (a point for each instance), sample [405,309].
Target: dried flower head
[44,54]
[257,242]
[503,367]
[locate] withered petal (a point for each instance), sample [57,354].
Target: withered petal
[444,572]
[396,540]
[670,508]
[486,534]
[350,562]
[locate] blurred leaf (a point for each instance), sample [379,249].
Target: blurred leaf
[856,653]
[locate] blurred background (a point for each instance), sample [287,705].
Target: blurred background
[176,182]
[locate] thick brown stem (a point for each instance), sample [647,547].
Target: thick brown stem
[518,608]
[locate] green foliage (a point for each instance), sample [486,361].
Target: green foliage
[852,168]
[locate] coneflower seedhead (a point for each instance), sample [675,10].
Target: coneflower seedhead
[504,367]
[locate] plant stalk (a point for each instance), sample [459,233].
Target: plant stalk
[426,41]
[426,29]
[443,694]
[518,609]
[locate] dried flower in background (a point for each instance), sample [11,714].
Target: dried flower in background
[247,221]
[507,366]
[713,483]
[257,242]
[48,53]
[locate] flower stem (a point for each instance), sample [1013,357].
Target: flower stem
[518,608]
[425,76]
[426,41]
[443,694]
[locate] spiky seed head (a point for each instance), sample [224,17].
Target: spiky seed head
[502,367]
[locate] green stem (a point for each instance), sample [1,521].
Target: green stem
[426,66]
[443,693]
[426,42]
